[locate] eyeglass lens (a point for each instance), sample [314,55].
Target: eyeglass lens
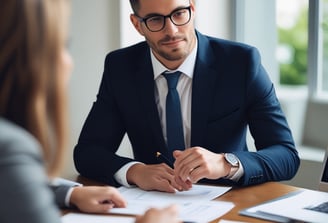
[179,17]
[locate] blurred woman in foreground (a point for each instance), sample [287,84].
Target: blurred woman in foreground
[35,68]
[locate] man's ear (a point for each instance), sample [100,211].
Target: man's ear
[192,7]
[136,23]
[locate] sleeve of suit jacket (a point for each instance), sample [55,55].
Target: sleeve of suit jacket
[60,192]
[24,191]
[276,157]
[95,154]
[244,98]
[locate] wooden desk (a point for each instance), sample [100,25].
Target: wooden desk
[248,196]
[242,197]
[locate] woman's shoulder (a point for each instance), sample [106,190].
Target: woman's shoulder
[15,139]
[23,178]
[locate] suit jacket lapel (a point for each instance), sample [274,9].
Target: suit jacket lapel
[204,81]
[145,85]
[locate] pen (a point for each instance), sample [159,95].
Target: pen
[164,158]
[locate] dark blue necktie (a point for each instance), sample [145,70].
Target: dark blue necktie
[174,129]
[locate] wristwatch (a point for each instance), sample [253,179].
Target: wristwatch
[231,159]
[234,162]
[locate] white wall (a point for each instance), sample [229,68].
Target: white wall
[94,32]
[256,25]
[213,18]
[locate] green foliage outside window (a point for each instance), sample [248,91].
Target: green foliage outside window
[294,72]
[325,46]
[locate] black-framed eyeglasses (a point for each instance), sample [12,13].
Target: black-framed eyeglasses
[178,17]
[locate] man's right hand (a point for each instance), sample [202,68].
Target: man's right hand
[158,177]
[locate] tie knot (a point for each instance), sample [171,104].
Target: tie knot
[172,79]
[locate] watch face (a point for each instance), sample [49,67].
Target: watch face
[232,159]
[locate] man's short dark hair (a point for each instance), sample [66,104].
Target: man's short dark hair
[135,5]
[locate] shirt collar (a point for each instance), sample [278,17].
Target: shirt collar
[187,67]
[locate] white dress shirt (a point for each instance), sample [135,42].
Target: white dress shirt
[184,89]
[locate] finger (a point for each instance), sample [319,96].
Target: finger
[189,167]
[169,184]
[165,186]
[185,185]
[193,162]
[170,178]
[185,158]
[168,169]
[103,208]
[172,210]
[96,207]
[181,161]
[197,174]
[166,173]
[177,153]
[111,195]
[162,168]
[178,185]
[181,155]
[118,200]
[138,218]
[163,182]
[185,172]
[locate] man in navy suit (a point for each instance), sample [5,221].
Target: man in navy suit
[223,89]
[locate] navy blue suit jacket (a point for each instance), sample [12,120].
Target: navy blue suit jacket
[230,91]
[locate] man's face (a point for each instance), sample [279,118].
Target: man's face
[173,43]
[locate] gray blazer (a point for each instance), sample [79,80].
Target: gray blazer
[26,195]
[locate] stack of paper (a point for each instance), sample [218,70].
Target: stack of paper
[195,205]
[89,218]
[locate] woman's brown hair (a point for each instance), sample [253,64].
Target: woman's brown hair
[32,95]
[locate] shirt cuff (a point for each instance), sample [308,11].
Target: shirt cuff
[238,174]
[120,175]
[68,197]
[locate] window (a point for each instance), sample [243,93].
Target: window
[292,30]
[324,27]
[302,50]
[318,48]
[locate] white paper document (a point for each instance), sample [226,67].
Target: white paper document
[196,193]
[229,221]
[194,205]
[299,206]
[90,218]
